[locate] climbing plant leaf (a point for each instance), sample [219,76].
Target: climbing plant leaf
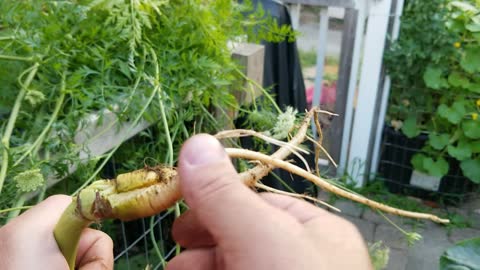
[437,167]
[438,141]
[410,128]
[464,255]
[453,114]
[462,151]
[471,169]
[434,79]
[471,129]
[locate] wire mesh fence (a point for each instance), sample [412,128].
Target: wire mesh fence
[396,170]
[144,243]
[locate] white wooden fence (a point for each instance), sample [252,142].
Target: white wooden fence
[362,105]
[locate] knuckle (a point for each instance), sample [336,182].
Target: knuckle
[214,189]
[212,183]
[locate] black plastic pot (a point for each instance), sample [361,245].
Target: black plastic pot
[395,169]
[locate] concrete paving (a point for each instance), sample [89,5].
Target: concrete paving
[425,253]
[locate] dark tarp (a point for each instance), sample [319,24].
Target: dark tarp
[283,74]
[282,63]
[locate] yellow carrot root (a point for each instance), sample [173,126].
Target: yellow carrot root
[132,195]
[148,191]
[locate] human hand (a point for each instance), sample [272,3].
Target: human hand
[230,227]
[27,242]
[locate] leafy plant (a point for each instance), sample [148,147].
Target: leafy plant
[165,62]
[379,254]
[434,68]
[465,255]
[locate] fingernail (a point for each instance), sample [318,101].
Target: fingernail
[202,149]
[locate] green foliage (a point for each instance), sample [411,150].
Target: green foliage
[471,129]
[410,128]
[308,58]
[471,169]
[453,114]
[457,221]
[29,180]
[379,255]
[146,60]
[438,141]
[461,151]
[376,190]
[433,78]
[261,120]
[465,255]
[435,68]
[435,167]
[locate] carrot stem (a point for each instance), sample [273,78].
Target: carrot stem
[68,231]
[13,118]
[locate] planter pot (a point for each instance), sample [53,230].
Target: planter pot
[399,176]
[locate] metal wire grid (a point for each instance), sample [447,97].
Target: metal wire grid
[139,254]
[395,170]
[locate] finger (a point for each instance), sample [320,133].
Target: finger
[95,250]
[325,230]
[198,259]
[212,189]
[189,233]
[32,233]
[344,236]
[300,210]
[48,211]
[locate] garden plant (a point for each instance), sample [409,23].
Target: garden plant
[435,85]
[164,62]
[463,255]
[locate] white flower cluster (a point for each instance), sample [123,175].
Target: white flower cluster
[285,123]
[29,180]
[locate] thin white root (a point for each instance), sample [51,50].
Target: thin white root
[276,162]
[324,151]
[235,133]
[295,195]
[318,126]
[325,112]
[226,134]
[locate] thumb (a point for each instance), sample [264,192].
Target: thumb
[213,191]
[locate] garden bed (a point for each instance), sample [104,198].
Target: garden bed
[396,170]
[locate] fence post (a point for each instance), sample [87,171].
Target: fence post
[362,134]
[386,92]
[295,11]
[361,6]
[321,52]
[335,131]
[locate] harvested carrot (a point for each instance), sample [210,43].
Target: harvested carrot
[150,190]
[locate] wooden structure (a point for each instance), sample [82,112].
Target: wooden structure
[360,97]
